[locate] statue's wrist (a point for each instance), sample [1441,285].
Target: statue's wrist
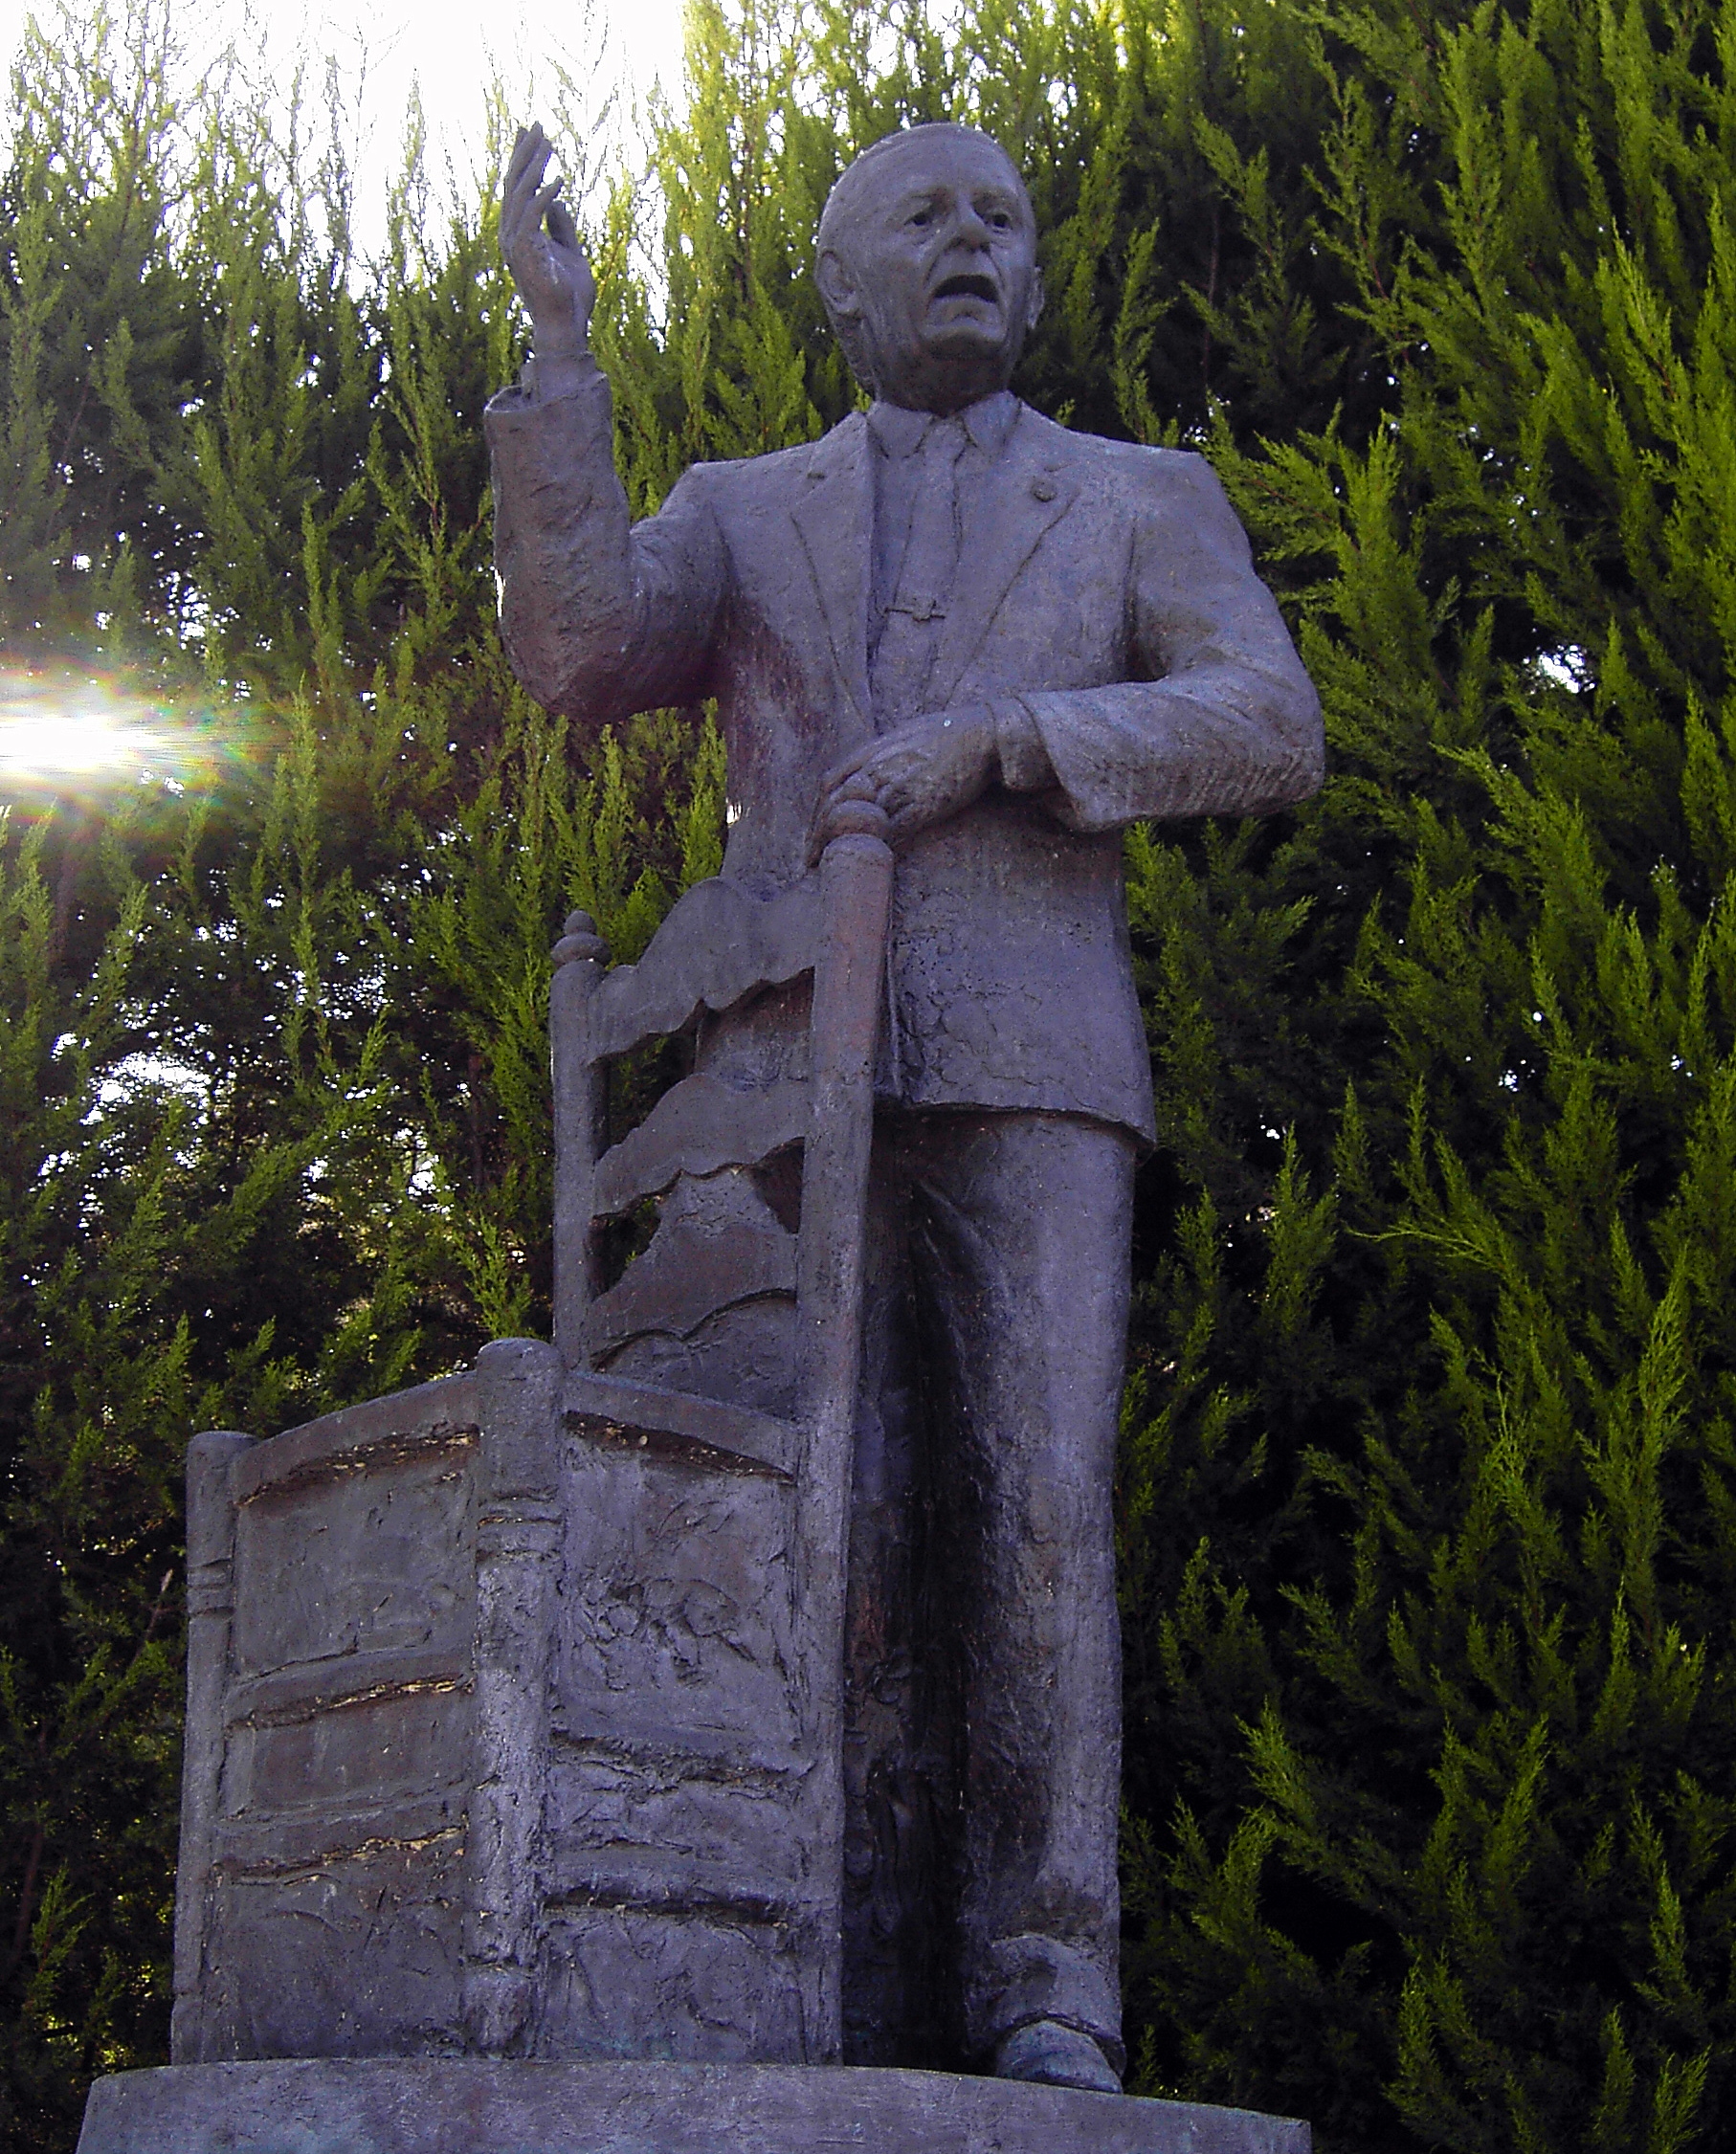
[565,368]
[1024,759]
[559,341]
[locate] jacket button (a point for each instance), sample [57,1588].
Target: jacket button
[1043,489]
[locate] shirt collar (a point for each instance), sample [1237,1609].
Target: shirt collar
[987,422]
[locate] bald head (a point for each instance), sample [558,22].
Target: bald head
[867,177]
[927,261]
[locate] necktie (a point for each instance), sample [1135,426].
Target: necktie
[904,656]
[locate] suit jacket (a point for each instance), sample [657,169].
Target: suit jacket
[1105,589]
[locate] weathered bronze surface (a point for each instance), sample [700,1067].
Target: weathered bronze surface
[732,1684]
[1001,642]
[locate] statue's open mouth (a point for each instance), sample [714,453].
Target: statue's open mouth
[968,288]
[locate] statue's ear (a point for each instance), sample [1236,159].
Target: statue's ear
[838,289]
[1033,311]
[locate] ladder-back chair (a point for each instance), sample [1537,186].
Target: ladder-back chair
[514,1701]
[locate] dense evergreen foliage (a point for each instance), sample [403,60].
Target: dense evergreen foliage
[1429,1496]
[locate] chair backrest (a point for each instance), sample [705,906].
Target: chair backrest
[717,947]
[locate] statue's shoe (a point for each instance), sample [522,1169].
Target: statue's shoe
[1054,2055]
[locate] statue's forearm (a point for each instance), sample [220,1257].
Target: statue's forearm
[1228,723]
[560,370]
[1224,741]
[600,617]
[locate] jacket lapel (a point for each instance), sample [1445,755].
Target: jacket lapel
[835,515]
[1004,519]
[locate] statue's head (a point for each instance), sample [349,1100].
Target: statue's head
[927,261]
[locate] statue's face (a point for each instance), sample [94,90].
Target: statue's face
[936,267]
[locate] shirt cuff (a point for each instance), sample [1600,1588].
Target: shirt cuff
[1025,765]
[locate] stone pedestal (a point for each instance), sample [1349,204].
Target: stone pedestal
[388,2106]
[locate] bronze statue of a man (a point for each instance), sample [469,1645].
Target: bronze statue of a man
[1014,640]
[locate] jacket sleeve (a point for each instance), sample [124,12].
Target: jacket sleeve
[601,617]
[1228,723]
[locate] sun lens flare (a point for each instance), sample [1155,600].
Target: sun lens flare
[71,731]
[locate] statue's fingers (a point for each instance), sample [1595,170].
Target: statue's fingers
[894,766]
[530,153]
[530,180]
[519,214]
[820,830]
[523,148]
[849,789]
[847,766]
[561,227]
[858,787]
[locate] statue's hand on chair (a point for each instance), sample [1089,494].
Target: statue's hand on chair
[926,770]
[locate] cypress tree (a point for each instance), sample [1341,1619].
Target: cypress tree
[1428,1511]
[1436,1812]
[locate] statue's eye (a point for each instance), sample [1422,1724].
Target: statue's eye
[922,216]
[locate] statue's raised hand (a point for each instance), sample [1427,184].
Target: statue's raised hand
[540,246]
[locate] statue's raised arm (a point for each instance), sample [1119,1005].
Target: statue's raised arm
[601,618]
